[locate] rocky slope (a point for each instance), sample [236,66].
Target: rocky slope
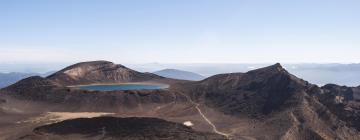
[255,93]
[281,105]
[343,101]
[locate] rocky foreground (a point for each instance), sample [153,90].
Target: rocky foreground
[119,128]
[267,103]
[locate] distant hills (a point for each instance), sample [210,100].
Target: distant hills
[179,74]
[321,74]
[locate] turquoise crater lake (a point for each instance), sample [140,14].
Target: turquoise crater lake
[121,87]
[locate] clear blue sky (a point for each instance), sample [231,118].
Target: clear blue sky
[180,31]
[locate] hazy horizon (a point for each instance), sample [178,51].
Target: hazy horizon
[203,36]
[180,31]
[320,74]
[44,67]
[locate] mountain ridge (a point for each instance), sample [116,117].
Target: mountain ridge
[266,103]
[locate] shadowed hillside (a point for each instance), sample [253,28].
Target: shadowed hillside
[121,129]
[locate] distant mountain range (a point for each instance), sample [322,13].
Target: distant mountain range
[321,74]
[179,74]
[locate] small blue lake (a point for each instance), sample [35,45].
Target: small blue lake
[121,87]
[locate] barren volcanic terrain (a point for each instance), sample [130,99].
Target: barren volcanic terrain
[265,104]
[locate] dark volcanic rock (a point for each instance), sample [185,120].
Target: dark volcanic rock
[342,101]
[124,129]
[2,101]
[255,93]
[285,103]
[99,72]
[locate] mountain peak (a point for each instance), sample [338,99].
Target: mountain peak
[94,62]
[276,67]
[90,63]
[93,72]
[272,69]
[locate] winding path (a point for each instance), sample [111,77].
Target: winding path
[205,118]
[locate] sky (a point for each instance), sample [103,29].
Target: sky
[180,31]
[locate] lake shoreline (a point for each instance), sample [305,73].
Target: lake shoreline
[157,85]
[126,83]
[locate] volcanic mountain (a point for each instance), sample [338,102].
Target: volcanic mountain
[99,72]
[267,103]
[255,93]
[281,105]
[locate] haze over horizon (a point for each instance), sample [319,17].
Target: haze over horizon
[180,31]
